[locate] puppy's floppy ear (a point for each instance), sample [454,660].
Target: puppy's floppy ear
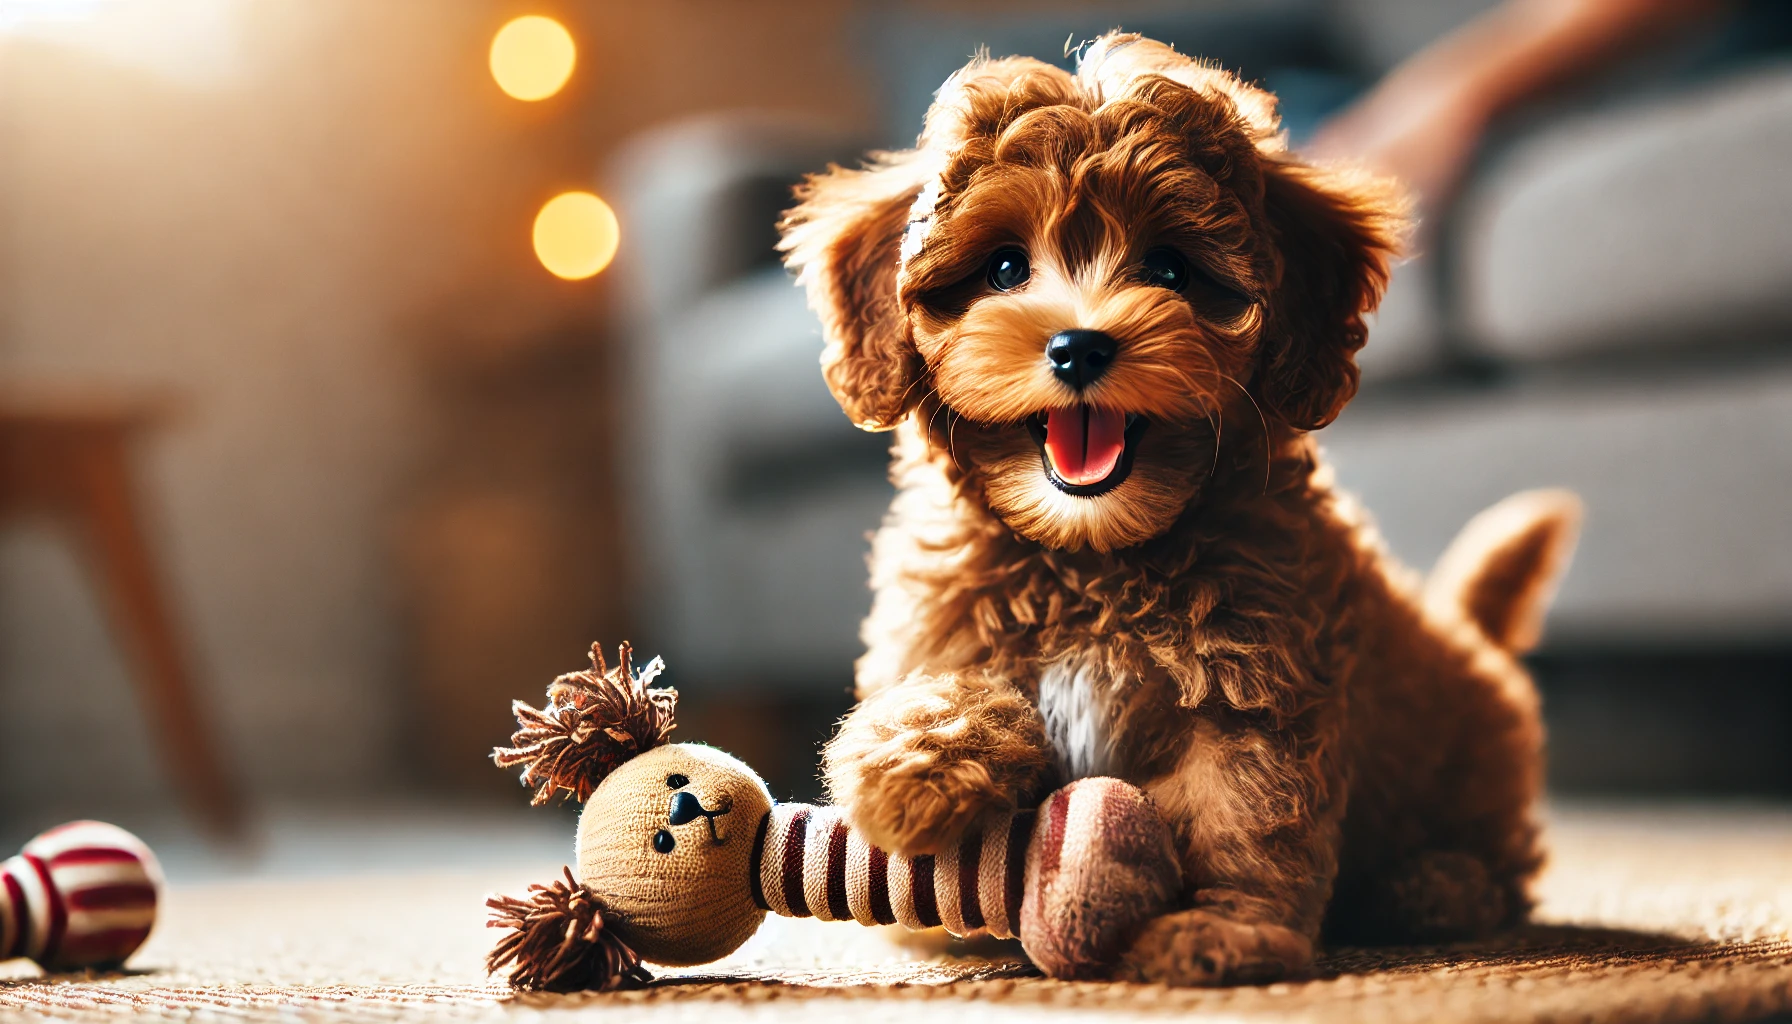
[848,233]
[1335,231]
[844,239]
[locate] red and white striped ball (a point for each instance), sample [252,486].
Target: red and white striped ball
[80,895]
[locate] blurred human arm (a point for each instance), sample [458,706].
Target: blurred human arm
[1422,123]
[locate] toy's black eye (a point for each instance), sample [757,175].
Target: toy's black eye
[676,781]
[663,841]
[1165,268]
[1008,270]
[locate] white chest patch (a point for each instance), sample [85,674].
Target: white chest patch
[1073,703]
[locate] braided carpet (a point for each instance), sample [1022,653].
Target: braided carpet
[1662,915]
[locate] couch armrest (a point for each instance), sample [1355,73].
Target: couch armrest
[699,200]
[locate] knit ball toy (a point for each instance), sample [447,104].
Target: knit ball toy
[682,852]
[80,895]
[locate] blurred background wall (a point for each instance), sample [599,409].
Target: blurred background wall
[308,224]
[411,474]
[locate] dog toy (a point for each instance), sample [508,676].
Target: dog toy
[682,852]
[80,895]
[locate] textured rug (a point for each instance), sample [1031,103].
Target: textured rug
[1647,915]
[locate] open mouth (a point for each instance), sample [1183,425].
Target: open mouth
[1086,450]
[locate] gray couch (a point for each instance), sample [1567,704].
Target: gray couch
[1618,320]
[1609,310]
[751,495]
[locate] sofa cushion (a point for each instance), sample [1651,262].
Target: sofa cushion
[753,495]
[1684,479]
[1660,224]
[1405,336]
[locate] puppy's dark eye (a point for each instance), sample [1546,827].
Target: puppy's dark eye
[1165,268]
[1008,270]
[1211,297]
[663,841]
[676,781]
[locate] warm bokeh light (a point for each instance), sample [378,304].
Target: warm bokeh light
[576,235]
[532,57]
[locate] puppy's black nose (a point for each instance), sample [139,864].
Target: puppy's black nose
[1078,357]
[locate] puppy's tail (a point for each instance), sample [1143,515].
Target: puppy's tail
[1502,569]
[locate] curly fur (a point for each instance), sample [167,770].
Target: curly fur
[1338,751]
[925,758]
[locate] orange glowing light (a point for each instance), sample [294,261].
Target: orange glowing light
[576,235]
[532,57]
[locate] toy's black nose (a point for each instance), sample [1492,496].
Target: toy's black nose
[686,808]
[1078,357]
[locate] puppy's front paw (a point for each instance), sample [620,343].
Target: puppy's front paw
[1200,947]
[915,763]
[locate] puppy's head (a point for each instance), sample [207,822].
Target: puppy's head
[1077,281]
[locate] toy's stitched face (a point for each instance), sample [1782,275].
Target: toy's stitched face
[1088,302]
[666,843]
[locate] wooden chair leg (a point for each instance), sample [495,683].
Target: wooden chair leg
[121,561]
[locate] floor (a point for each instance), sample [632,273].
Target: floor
[1664,913]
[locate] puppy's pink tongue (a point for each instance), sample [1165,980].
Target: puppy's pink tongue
[1084,443]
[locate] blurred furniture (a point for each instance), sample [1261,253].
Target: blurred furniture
[750,495]
[505,541]
[68,457]
[1608,308]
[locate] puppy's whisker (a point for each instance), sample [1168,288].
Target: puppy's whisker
[1216,418]
[939,405]
[1261,420]
[952,419]
[903,401]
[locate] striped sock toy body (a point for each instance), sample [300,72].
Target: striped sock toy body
[1072,880]
[810,863]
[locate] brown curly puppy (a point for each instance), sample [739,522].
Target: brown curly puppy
[1102,311]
